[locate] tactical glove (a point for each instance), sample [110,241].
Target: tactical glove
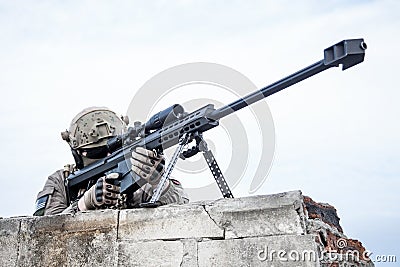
[148,165]
[104,192]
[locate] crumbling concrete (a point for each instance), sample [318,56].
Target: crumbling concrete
[275,230]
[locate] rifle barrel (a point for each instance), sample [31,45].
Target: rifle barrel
[347,52]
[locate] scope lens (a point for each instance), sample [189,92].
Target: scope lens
[177,109]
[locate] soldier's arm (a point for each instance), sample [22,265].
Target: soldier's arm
[53,198]
[174,193]
[150,166]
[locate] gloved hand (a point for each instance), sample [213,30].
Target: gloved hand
[148,165]
[104,192]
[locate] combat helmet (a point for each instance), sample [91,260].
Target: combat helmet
[91,128]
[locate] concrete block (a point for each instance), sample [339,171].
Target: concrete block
[167,223]
[250,231]
[260,251]
[260,215]
[86,239]
[190,253]
[261,201]
[150,253]
[9,237]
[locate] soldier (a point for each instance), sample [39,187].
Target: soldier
[87,137]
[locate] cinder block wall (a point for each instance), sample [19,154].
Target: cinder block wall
[273,230]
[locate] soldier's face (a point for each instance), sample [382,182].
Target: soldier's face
[91,155]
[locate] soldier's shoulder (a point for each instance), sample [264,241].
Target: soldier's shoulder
[53,182]
[61,174]
[57,175]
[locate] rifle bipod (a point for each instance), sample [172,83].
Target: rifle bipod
[201,146]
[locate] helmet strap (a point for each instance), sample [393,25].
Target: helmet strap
[78,158]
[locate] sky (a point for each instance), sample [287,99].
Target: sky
[336,134]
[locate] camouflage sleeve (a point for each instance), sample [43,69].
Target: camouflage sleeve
[72,209]
[173,193]
[53,198]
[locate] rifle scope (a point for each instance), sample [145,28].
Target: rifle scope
[157,121]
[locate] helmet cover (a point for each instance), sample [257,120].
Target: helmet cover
[92,126]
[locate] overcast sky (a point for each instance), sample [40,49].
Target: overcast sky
[337,134]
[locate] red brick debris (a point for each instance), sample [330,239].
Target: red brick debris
[322,211]
[350,245]
[328,214]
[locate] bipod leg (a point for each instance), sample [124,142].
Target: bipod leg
[165,177]
[214,168]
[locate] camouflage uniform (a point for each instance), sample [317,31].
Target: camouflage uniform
[90,129]
[53,198]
